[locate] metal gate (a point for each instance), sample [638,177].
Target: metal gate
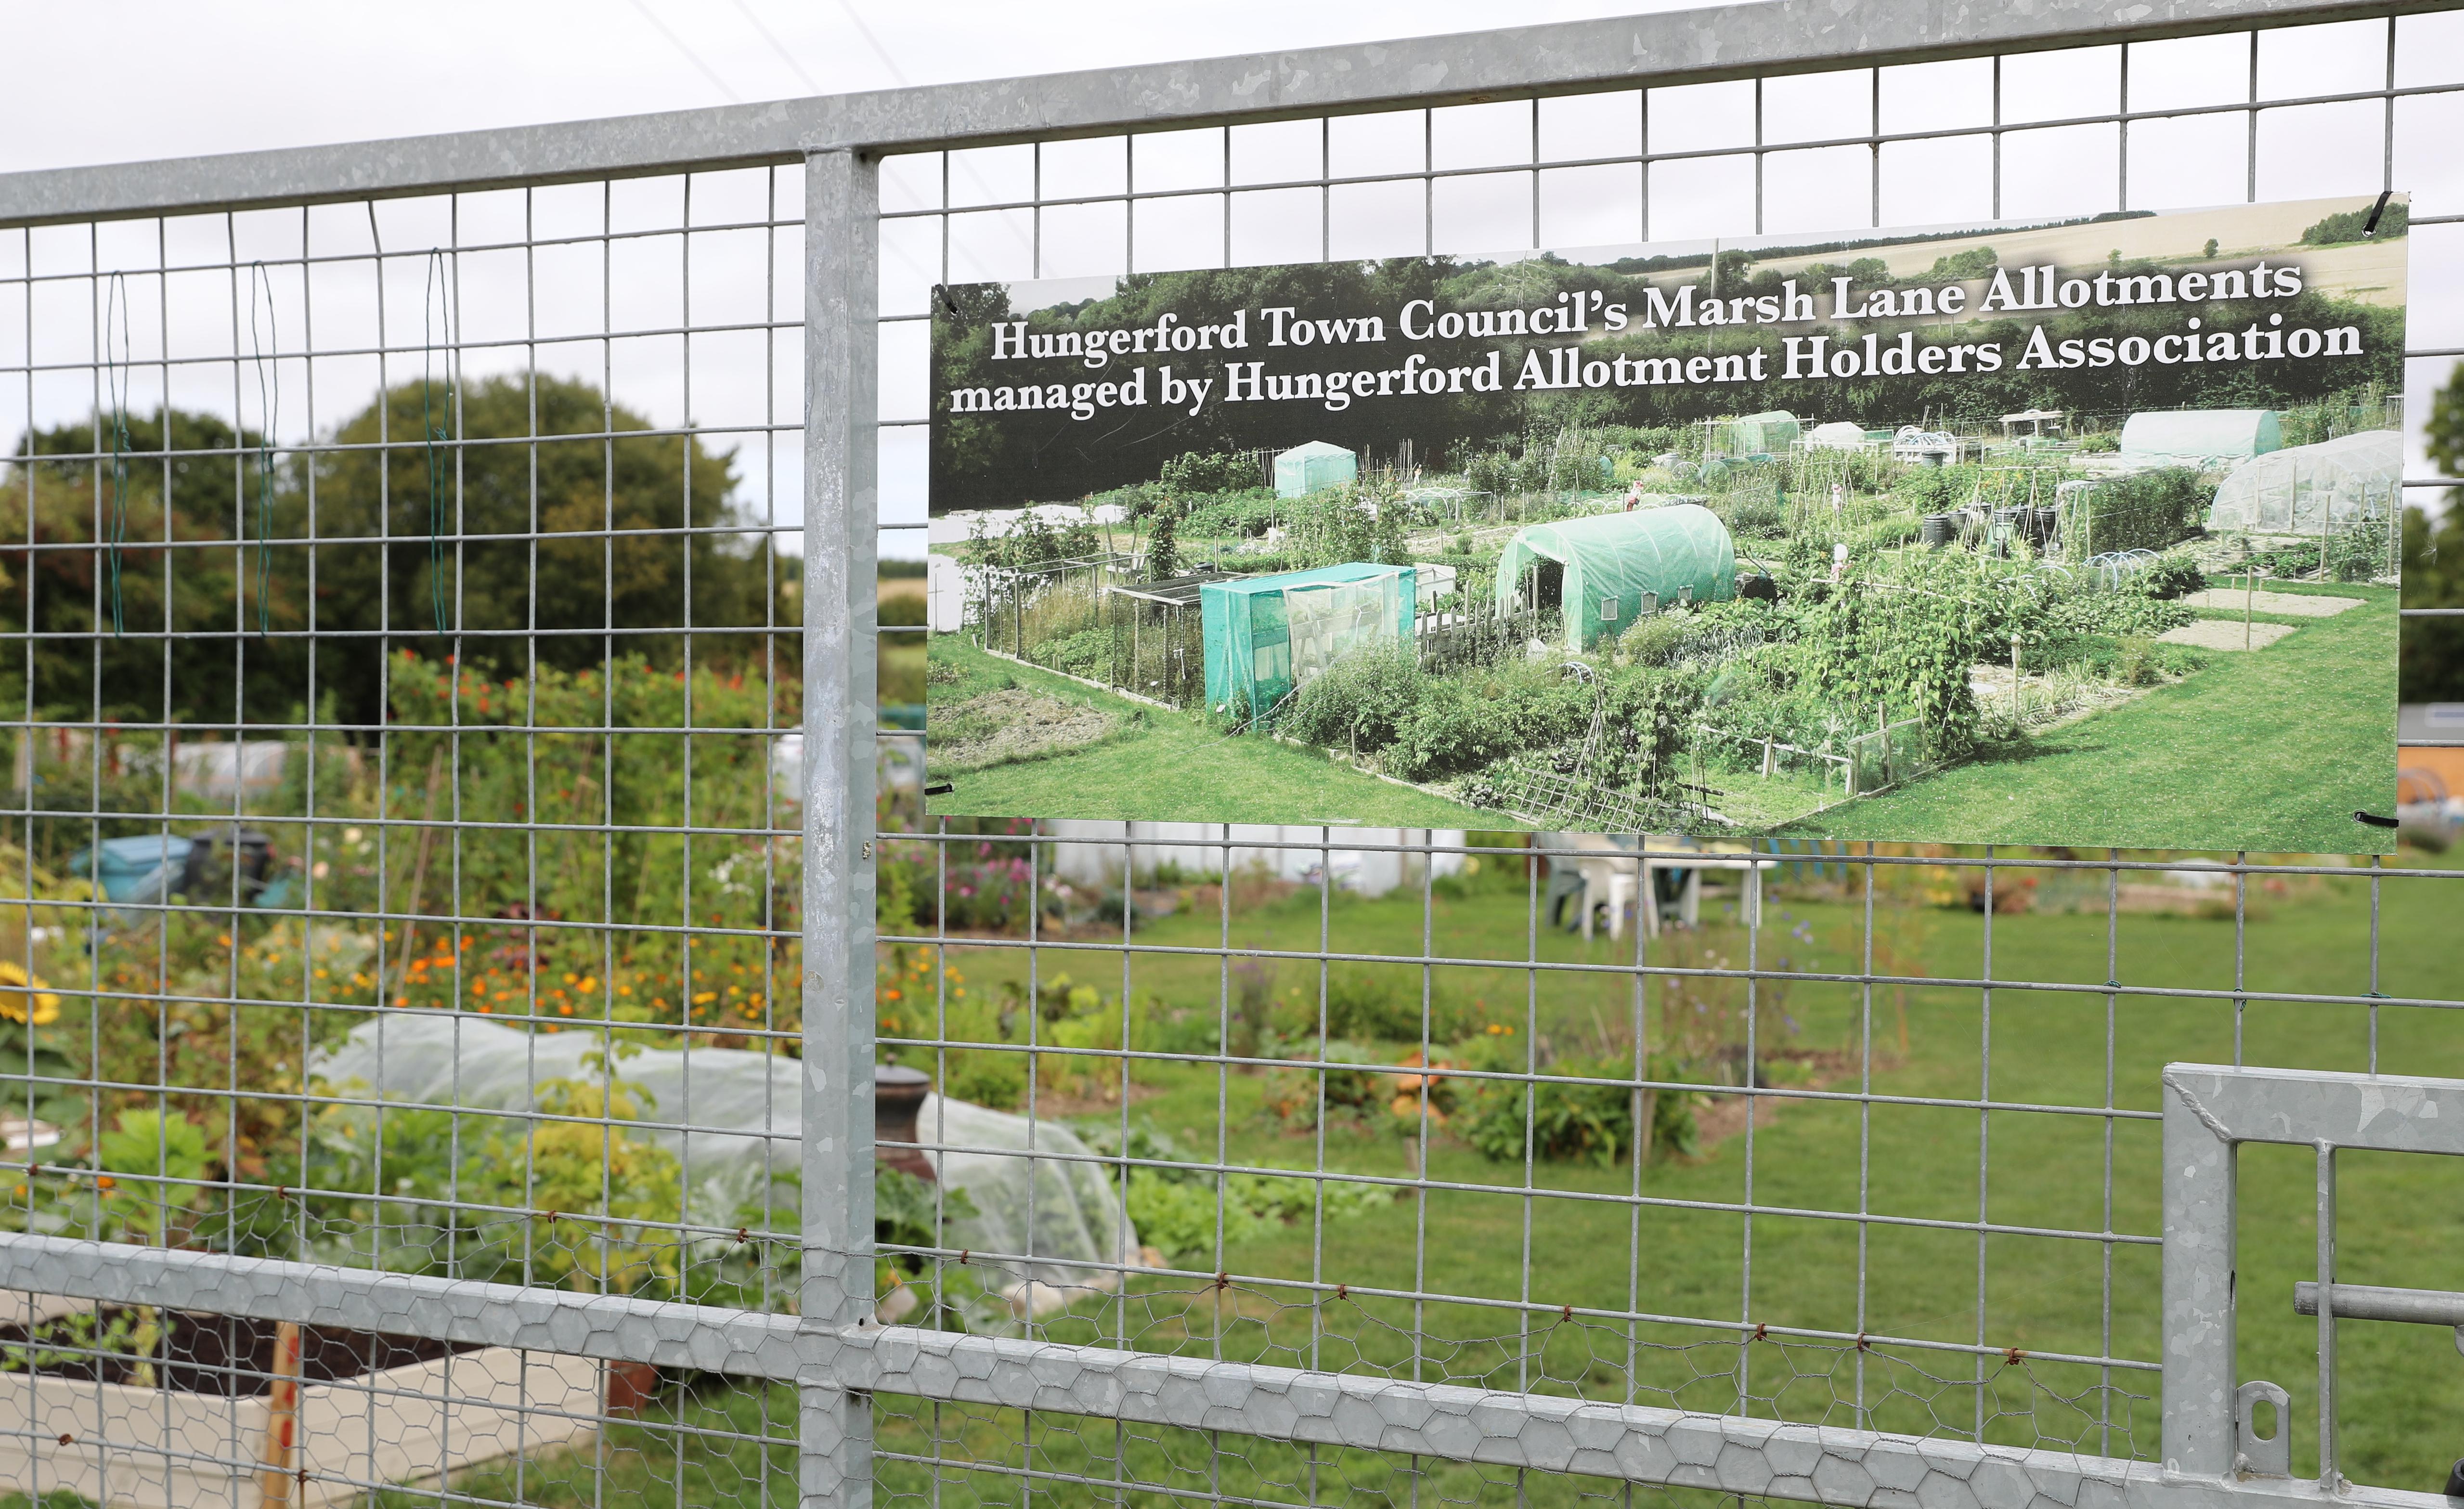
[447,836]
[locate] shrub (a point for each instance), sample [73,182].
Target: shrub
[985,1077]
[2145,510]
[1938,489]
[1654,640]
[1208,472]
[2172,576]
[1362,702]
[1569,1121]
[1249,513]
[2115,614]
[1163,548]
[1088,652]
[1463,723]
[1176,1208]
[1754,514]
[1363,1004]
[1295,1097]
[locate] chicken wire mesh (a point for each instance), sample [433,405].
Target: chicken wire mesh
[408,622]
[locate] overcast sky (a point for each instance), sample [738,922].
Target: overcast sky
[244,74]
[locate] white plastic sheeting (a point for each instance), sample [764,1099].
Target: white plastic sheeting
[1097,851]
[2345,481]
[1305,469]
[1329,621]
[2199,437]
[746,1110]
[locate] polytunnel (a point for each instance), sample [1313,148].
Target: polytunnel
[1310,468]
[1767,434]
[2200,436]
[1608,570]
[2295,490]
[1055,1204]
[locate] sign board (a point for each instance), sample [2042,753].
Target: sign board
[2073,533]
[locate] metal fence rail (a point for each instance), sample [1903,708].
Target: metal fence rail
[474,1089]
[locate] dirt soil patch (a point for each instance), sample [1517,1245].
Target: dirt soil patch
[1720,1116]
[2284,605]
[2223,633]
[1009,725]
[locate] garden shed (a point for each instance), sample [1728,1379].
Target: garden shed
[1267,635]
[1311,468]
[2200,436]
[1609,569]
[1771,434]
[2344,480]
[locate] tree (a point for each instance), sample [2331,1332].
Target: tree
[540,542]
[2430,665]
[101,528]
[602,531]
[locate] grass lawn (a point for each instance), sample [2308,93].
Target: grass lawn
[1167,764]
[2402,1221]
[2283,743]
[2402,1217]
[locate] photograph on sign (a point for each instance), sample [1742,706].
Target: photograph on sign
[2075,533]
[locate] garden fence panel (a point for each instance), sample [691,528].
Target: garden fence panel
[478,1103]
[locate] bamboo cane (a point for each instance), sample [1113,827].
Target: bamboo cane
[418,869]
[278,1474]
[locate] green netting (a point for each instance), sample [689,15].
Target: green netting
[1620,567]
[2345,481]
[1270,634]
[1305,469]
[2200,436]
[1769,434]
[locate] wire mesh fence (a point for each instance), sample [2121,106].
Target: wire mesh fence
[434,928]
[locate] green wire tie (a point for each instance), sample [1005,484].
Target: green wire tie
[268,397]
[118,298]
[436,435]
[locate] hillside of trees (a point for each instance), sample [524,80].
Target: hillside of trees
[622,524]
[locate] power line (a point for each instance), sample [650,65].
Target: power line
[785,57]
[691,56]
[896,75]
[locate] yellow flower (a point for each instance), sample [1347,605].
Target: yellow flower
[13,996]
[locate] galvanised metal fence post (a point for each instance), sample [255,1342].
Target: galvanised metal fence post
[841,508]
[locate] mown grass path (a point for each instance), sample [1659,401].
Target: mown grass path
[2280,747]
[1169,766]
